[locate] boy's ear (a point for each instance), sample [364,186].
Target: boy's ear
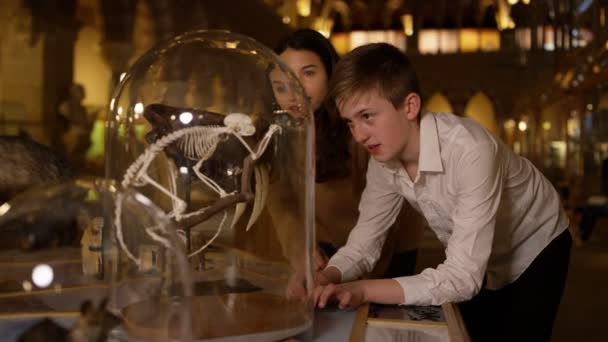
[412,104]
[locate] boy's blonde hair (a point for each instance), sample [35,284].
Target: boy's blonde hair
[377,66]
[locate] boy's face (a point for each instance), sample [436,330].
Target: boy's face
[385,131]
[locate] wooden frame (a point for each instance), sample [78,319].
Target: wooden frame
[357,333]
[454,324]
[456,328]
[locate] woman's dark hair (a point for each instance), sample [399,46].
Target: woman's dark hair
[332,133]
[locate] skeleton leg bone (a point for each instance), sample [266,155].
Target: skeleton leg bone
[208,181]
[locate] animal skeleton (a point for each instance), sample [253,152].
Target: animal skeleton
[198,143]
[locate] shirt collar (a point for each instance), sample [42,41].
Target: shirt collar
[430,157]
[430,151]
[392,166]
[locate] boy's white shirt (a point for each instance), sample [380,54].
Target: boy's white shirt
[492,209]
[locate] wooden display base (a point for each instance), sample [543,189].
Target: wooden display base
[246,315]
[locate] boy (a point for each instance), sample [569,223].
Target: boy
[501,221]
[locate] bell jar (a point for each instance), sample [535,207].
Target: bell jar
[217,131]
[64,275]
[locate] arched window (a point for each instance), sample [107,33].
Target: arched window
[481,109]
[438,103]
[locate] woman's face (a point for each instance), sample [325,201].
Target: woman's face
[310,72]
[287,92]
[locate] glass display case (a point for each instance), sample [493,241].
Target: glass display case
[64,277]
[216,131]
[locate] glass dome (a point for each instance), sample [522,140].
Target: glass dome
[218,133]
[63,272]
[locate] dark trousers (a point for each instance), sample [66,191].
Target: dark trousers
[525,309]
[402,264]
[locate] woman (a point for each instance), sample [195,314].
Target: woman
[340,164]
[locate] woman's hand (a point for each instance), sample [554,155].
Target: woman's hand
[320,259]
[296,286]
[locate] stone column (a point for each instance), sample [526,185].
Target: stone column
[58,75]
[116,54]
[117,46]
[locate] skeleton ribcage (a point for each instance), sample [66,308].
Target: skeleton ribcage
[201,143]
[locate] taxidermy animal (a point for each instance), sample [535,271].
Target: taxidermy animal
[93,325]
[25,163]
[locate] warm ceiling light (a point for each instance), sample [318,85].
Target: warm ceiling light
[503,16]
[139,108]
[323,26]
[596,69]
[525,2]
[522,126]
[303,7]
[512,2]
[408,24]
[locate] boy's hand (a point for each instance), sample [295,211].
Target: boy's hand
[353,294]
[327,276]
[347,295]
